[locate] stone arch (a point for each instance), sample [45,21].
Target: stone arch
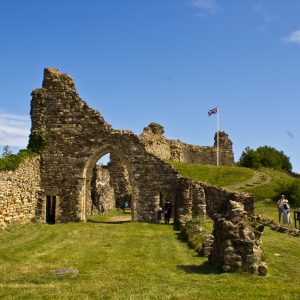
[87,172]
[76,136]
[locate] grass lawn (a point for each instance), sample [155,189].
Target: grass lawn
[219,176]
[125,260]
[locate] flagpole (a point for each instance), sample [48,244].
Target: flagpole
[218,129]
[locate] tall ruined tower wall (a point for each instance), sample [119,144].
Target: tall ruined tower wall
[77,136]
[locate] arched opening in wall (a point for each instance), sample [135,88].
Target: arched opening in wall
[108,184]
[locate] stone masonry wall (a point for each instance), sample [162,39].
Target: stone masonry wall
[236,246]
[77,136]
[119,179]
[156,143]
[102,192]
[199,199]
[20,193]
[217,199]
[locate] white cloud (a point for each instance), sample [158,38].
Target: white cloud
[293,37]
[14,130]
[206,7]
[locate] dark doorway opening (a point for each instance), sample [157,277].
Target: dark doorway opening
[50,209]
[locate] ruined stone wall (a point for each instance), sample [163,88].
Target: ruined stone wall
[236,246]
[156,143]
[217,199]
[119,179]
[20,193]
[191,201]
[102,192]
[77,136]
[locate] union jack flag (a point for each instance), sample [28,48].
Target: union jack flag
[213,111]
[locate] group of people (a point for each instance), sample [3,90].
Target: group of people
[166,211]
[284,210]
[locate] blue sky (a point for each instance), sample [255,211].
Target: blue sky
[165,61]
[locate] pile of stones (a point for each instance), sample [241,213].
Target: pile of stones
[236,247]
[276,227]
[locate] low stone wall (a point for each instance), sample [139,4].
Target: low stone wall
[217,199]
[198,199]
[20,193]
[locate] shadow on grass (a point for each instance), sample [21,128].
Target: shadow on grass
[109,222]
[182,237]
[205,268]
[126,212]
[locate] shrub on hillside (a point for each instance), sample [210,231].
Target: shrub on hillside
[265,156]
[12,161]
[291,192]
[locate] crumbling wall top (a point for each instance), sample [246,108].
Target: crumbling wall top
[54,79]
[155,128]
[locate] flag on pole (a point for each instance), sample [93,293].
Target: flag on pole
[213,111]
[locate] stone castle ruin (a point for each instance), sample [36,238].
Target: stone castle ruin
[65,184]
[156,143]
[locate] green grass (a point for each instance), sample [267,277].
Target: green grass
[279,180]
[220,176]
[132,261]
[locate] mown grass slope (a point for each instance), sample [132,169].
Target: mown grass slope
[219,176]
[132,261]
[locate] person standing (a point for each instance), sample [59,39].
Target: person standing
[159,215]
[167,209]
[280,204]
[286,219]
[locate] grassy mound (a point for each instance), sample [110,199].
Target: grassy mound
[219,176]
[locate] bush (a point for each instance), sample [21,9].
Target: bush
[291,192]
[195,231]
[11,162]
[37,141]
[265,156]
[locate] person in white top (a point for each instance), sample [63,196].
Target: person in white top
[286,219]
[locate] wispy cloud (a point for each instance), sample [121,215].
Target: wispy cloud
[293,37]
[266,17]
[206,7]
[14,130]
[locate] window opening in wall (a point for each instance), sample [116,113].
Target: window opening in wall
[50,209]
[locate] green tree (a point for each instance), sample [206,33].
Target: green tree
[249,158]
[294,193]
[265,156]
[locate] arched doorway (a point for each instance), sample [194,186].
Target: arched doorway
[107,183]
